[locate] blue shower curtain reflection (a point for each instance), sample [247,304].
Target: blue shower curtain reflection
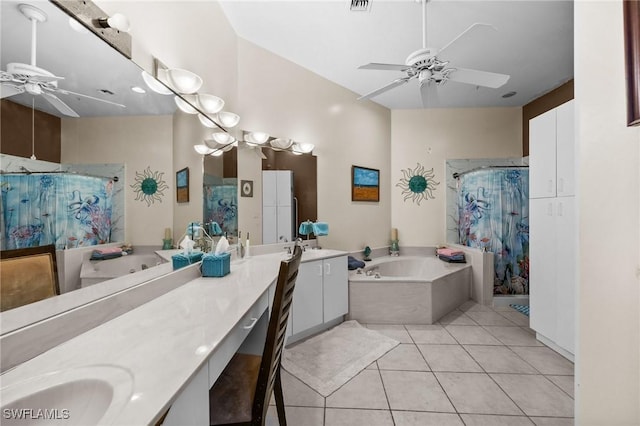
[493,215]
[62,209]
[221,206]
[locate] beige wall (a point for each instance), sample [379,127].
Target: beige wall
[430,137]
[285,100]
[138,143]
[608,341]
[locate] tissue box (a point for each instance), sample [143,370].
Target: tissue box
[181,260]
[216,265]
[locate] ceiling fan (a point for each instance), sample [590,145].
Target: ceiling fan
[431,69]
[20,78]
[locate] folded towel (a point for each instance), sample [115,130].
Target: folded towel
[106,253]
[321,228]
[453,259]
[306,228]
[353,263]
[449,252]
[214,229]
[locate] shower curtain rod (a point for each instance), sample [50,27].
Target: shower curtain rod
[29,172]
[457,175]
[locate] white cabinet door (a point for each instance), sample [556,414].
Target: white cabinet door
[565,145]
[566,259]
[542,259]
[307,297]
[285,187]
[269,225]
[336,288]
[542,155]
[269,188]
[285,221]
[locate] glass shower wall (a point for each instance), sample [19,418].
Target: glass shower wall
[493,215]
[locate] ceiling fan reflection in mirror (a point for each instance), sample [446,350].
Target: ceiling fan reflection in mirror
[430,66]
[20,78]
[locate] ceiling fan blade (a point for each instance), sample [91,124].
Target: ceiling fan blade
[475,32]
[395,83]
[384,67]
[429,95]
[478,78]
[7,90]
[44,78]
[68,92]
[59,105]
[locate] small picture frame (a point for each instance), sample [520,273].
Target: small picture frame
[182,185]
[365,184]
[631,11]
[246,188]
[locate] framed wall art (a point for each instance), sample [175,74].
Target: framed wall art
[182,185]
[631,9]
[365,184]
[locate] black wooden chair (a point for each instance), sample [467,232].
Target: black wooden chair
[27,275]
[241,394]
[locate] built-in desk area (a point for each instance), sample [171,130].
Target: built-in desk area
[164,353]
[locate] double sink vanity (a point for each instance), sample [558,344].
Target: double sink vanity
[167,352]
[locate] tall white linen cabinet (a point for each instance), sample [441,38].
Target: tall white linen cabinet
[553,235]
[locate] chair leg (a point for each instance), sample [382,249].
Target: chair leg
[278,395]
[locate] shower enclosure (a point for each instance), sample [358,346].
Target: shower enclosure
[493,215]
[61,208]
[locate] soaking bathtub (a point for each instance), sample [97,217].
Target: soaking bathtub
[407,290]
[95,271]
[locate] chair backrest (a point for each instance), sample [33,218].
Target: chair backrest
[27,275]
[276,334]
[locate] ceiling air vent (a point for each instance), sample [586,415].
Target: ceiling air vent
[360,5]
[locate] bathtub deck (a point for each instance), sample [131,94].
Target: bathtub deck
[408,302]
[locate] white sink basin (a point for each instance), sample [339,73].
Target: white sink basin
[82,396]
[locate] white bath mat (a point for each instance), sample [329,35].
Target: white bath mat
[329,360]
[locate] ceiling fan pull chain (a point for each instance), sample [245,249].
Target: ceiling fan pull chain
[33,128]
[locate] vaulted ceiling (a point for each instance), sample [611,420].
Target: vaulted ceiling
[532,42]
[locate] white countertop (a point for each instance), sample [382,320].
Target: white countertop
[163,343]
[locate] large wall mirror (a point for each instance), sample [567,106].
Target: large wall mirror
[92,111]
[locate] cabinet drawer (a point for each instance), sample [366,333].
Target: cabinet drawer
[228,347]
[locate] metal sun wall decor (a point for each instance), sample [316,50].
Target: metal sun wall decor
[149,186]
[418,184]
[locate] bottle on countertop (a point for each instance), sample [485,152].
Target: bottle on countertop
[247,245]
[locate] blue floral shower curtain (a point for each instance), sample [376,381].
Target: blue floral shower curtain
[493,215]
[221,206]
[62,209]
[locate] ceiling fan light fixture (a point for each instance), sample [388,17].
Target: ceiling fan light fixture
[210,104]
[186,104]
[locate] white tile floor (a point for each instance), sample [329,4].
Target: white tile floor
[477,366]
